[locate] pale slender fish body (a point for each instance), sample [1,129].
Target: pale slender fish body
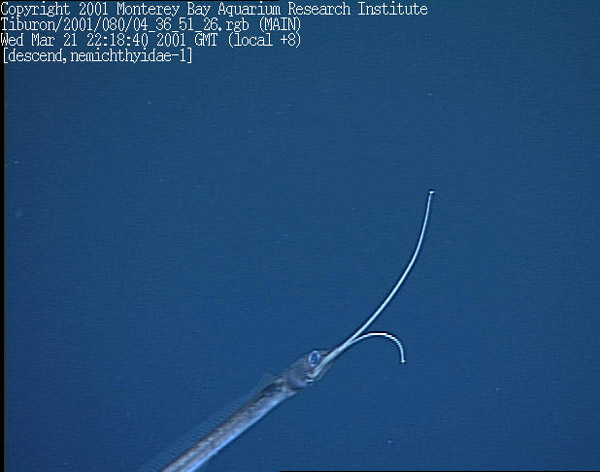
[242,419]
[299,376]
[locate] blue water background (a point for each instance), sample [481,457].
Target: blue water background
[172,233]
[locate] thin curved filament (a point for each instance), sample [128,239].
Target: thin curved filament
[382,334]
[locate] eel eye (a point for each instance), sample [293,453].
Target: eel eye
[314,358]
